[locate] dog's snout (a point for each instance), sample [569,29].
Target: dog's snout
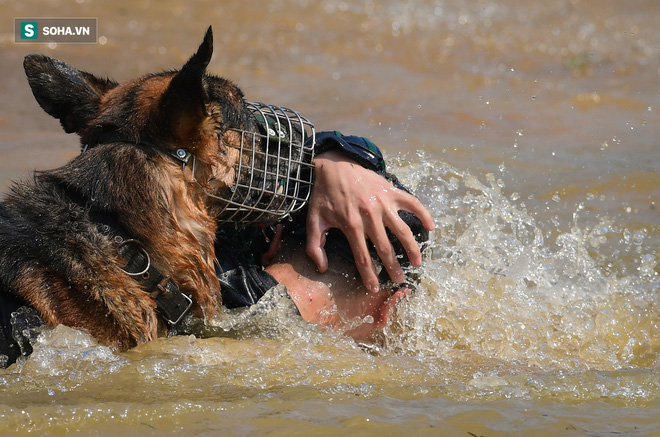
[273,172]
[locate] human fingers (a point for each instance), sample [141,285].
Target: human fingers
[412,204]
[357,241]
[316,244]
[389,306]
[406,238]
[378,235]
[275,246]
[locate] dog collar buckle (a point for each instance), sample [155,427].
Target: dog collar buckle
[171,302]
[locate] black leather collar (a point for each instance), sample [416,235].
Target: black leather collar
[98,136]
[136,262]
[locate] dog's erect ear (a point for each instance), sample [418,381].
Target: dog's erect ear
[66,93]
[185,95]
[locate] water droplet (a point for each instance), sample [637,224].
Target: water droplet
[638,238]
[647,265]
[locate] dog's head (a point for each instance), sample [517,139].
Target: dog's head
[203,117]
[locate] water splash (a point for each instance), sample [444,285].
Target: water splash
[497,289]
[505,309]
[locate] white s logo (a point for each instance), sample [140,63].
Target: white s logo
[28,30]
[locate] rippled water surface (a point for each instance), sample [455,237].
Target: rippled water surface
[529,129]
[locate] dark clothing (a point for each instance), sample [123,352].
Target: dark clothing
[242,280]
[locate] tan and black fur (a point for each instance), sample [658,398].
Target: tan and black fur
[53,257]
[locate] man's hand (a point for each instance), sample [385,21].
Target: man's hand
[362,204]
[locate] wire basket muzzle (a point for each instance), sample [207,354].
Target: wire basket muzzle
[274,172]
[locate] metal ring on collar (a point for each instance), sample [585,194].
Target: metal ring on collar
[136,242]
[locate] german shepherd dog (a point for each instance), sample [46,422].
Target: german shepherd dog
[120,240]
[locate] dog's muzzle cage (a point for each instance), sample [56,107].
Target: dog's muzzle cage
[274,173]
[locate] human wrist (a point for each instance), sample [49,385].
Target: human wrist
[359,149]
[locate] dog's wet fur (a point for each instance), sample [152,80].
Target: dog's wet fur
[53,256]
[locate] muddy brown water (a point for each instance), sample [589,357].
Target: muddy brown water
[530,129]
